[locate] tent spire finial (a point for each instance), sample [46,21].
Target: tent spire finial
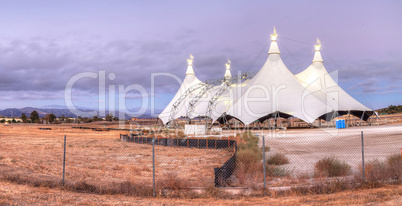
[317,54]
[228,65]
[274,35]
[318,45]
[228,74]
[274,46]
[190,69]
[190,60]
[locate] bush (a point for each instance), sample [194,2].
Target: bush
[331,167]
[277,159]
[375,171]
[276,171]
[394,164]
[248,151]
[172,185]
[248,158]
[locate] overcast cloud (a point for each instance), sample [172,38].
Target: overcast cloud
[43,44]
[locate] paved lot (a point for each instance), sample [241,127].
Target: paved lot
[304,147]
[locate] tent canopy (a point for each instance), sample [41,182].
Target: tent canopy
[309,95]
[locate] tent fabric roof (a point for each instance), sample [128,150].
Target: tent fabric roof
[317,79]
[309,95]
[275,89]
[189,81]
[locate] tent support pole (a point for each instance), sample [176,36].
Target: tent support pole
[361,118]
[332,117]
[280,121]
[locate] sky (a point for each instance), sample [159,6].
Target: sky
[47,45]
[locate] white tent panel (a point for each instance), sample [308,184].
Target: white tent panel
[189,81]
[317,78]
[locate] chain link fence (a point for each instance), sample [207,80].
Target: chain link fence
[158,161]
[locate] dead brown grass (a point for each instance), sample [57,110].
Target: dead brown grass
[15,194]
[277,159]
[99,163]
[331,167]
[380,172]
[97,158]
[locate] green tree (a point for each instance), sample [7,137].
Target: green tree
[24,117]
[95,118]
[52,117]
[62,118]
[34,116]
[109,117]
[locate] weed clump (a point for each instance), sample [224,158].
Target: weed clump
[248,153]
[331,167]
[277,159]
[172,181]
[377,171]
[394,164]
[277,171]
[248,157]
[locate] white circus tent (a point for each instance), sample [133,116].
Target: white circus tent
[274,91]
[317,79]
[201,106]
[176,107]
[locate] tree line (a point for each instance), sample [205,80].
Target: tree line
[392,109]
[51,118]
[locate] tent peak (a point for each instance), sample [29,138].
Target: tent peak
[190,70]
[228,75]
[274,49]
[274,35]
[228,64]
[317,54]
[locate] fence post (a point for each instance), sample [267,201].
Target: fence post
[263,159]
[363,155]
[153,166]
[64,159]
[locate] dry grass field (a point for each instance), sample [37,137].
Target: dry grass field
[100,168]
[14,194]
[99,157]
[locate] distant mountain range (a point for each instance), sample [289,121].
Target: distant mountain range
[59,111]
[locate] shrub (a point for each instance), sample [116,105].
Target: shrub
[394,164]
[248,151]
[277,159]
[377,171]
[276,171]
[172,181]
[248,158]
[331,167]
[374,171]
